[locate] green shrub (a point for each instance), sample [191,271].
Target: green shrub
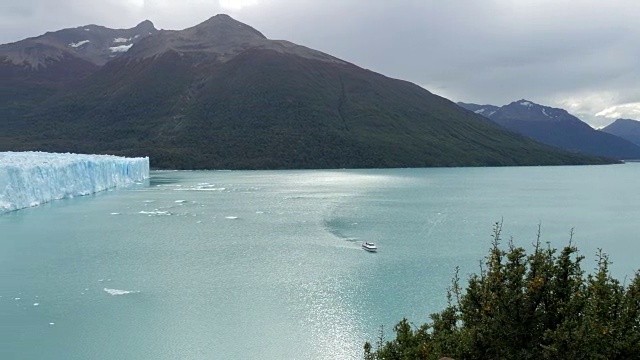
[527,306]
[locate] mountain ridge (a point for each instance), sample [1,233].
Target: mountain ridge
[627,129]
[220,95]
[222,36]
[557,127]
[93,43]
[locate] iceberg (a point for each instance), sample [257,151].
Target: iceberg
[32,178]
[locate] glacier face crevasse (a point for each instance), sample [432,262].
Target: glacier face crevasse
[32,178]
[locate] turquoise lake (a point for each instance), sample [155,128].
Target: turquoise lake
[268,264]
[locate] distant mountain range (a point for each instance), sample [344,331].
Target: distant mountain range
[220,95]
[556,127]
[625,128]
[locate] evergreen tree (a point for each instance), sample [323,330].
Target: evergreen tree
[519,306]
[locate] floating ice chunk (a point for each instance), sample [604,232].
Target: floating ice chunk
[36,304]
[52,323]
[202,188]
[17,299]
[155,213]
[231,217]
[115,292]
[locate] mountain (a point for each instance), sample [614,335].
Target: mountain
[220,95]
[91,43]
[484,110]
[625,128]
[33,69]
[558,128]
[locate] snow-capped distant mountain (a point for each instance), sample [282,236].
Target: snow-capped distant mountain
[556,127]
[627,129]
[524,110]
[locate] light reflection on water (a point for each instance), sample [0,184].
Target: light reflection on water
[268,265]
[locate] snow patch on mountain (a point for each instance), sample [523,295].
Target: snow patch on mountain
[120,48]
[79,43]
[485,112]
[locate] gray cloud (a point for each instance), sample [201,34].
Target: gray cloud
[580,55]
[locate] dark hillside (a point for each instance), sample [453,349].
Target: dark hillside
[222,96]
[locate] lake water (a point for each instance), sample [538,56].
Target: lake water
[268,264]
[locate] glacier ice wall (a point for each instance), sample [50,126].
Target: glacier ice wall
[32,178]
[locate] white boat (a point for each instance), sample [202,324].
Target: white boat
[369,246]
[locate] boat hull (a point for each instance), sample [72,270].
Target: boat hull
[369,247]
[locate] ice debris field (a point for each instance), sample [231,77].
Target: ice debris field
[32,178]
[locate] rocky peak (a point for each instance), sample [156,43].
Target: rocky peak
[225,25]
[223,30]
[220,38]
[625,122]
[145,27]
[625,128]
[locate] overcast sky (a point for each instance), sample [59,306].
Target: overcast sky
[581,55]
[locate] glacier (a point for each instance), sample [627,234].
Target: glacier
[32,178]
